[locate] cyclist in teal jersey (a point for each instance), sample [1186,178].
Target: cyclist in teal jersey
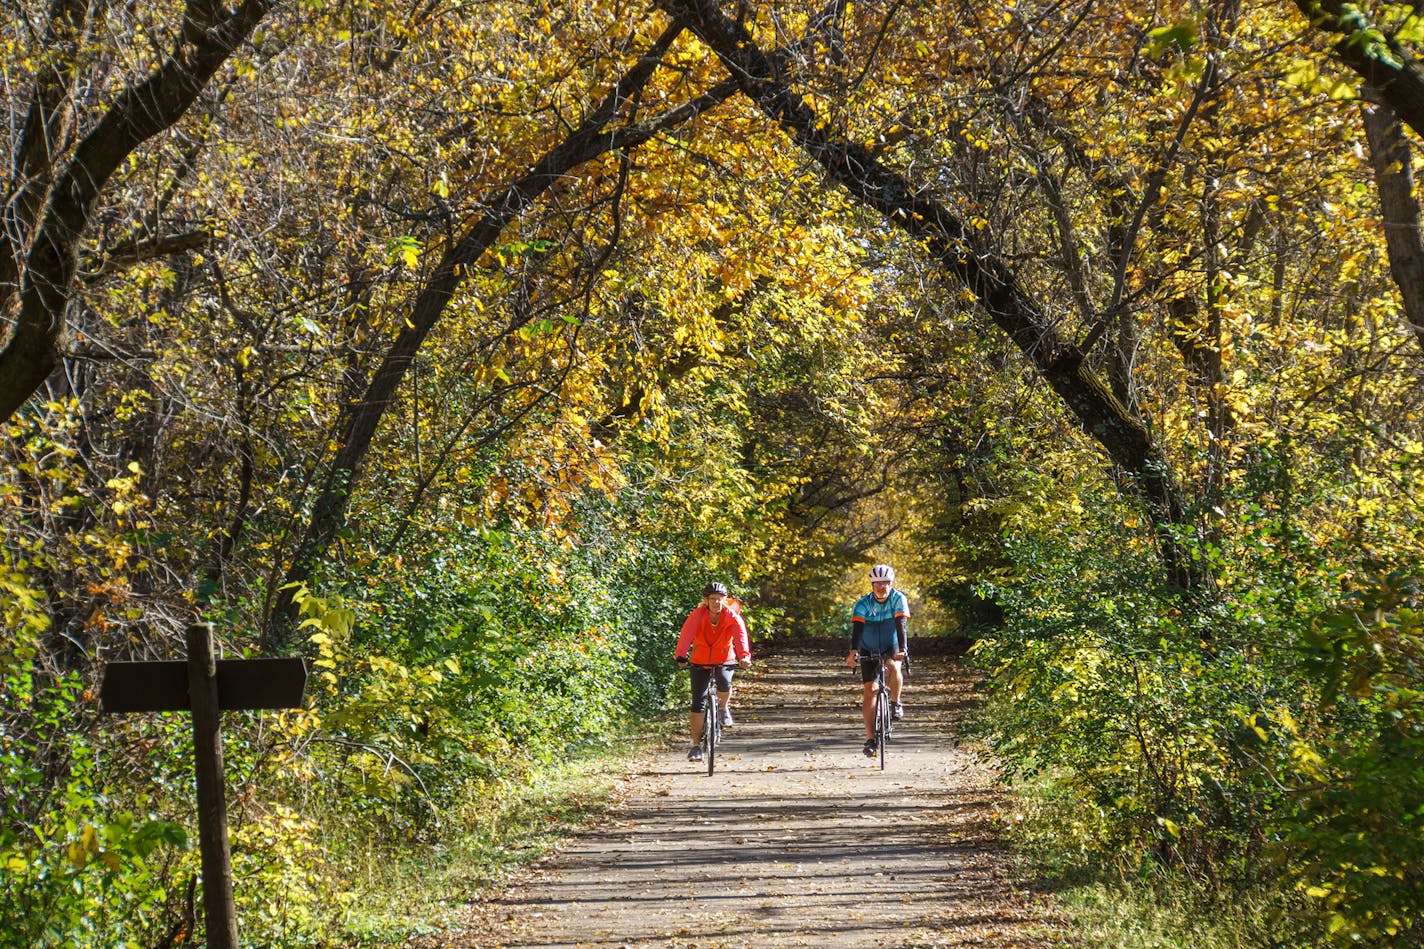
[877,625]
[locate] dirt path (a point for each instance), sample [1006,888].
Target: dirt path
[797,840]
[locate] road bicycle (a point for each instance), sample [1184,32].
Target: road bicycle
[884,725]
[712,713]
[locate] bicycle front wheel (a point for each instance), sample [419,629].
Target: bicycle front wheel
[710,726]
[882,724]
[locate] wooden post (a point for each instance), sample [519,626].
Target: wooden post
[205,687]
[219,912]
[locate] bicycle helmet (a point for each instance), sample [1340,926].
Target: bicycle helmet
[714,588]
[882,571]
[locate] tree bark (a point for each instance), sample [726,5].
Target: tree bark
[1392,159]
[1399,78]
[41,278]
[1396,78]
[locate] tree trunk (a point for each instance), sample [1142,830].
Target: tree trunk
[1392,159]
[38,292]
[1397,77]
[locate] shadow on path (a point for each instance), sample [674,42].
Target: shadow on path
[797,840]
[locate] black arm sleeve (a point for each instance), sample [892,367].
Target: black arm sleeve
[900,635]
[856,628]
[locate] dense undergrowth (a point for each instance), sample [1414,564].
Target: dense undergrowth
[1238,770]
[447,730]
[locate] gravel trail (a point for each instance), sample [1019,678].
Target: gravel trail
[797,840]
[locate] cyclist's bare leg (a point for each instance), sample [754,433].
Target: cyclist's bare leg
[723,700]
[697,718]
[867,709]
[893,679]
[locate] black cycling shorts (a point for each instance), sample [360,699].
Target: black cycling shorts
[699,684]
[867,669]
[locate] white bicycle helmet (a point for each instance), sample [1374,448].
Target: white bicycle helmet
[882,571]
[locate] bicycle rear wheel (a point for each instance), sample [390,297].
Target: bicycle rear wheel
[711,725]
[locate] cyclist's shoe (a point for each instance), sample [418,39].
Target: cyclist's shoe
[695,754]
[870,748]
[726,718]
[897,711]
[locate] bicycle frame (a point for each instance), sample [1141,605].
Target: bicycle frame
[711,713]
[884,725]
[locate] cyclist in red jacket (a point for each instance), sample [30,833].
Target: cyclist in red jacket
[713,634]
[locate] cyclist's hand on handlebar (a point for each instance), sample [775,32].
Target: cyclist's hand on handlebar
[853,658]
[899,656]
[680,660]
[745,663]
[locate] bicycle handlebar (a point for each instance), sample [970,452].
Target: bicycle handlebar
[861,656]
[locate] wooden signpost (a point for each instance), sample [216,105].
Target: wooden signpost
[206,686]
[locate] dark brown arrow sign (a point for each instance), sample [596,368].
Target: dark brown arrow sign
[163,686]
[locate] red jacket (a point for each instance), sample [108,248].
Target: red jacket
[725,642]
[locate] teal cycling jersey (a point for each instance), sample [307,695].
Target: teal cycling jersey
[878,634]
